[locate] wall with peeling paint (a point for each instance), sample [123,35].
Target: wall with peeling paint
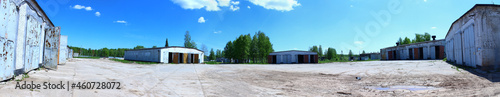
[474,39]
[22,33]
[63,51]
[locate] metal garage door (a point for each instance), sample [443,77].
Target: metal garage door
[51,50]
[469,46]
[458,48]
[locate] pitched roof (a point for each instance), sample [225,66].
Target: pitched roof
[475,6]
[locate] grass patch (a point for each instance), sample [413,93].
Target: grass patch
[25,75]
[88,57]
[128,61]
[212,62]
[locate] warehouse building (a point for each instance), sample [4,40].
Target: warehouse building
[292,57]
[416,51]
[369,56]
[166,55]
[474,38]
[28,39]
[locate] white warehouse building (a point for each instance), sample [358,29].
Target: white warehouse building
[292,56]
[166,55]
[474,38]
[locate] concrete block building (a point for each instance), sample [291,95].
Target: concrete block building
[474,38]
[415,51]
[28,39]
[166,55]
[292,56]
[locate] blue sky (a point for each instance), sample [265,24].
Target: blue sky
[291,24]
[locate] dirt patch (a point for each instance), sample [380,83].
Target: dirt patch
[324,84]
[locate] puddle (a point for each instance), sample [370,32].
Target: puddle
[411,88]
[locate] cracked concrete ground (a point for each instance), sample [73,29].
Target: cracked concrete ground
[234,80]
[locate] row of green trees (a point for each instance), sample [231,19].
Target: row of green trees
[329,54]
[103,52]
[418,38]
[246,49]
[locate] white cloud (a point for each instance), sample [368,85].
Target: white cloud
[78,7]
[248,7]
[201,20]
[217,32]
[280,5]
[235,2]
[223,2]
[433,27]
[121,21]
[425,0]
[234,8]
[358,42]
[209,5]
[88,8]
[98,14]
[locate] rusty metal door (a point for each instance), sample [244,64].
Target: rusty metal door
[8,31]
[51,49]
[196,58]
[32,47]
[176,58]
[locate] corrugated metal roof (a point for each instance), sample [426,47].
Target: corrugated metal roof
[475,6]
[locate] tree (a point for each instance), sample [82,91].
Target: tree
[242,47]
[138,47]
[406,41]
[188,42]
[228,50]
[254,48]
[105,52]
[400,41]
[314,49]
[264,45]
[331,54]
[320,51]
[154,46]
[419,38]
[166,42]
[218,54]
[427,36]
[350,53]
[363,52]
[212,54]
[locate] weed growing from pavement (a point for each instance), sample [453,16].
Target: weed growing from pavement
[25,75]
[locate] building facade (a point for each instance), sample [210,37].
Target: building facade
[292,57]
[415,51]
[166,55]
[370,56]
[474,38]
[28,39]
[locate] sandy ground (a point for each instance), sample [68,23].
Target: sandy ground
[198,80]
